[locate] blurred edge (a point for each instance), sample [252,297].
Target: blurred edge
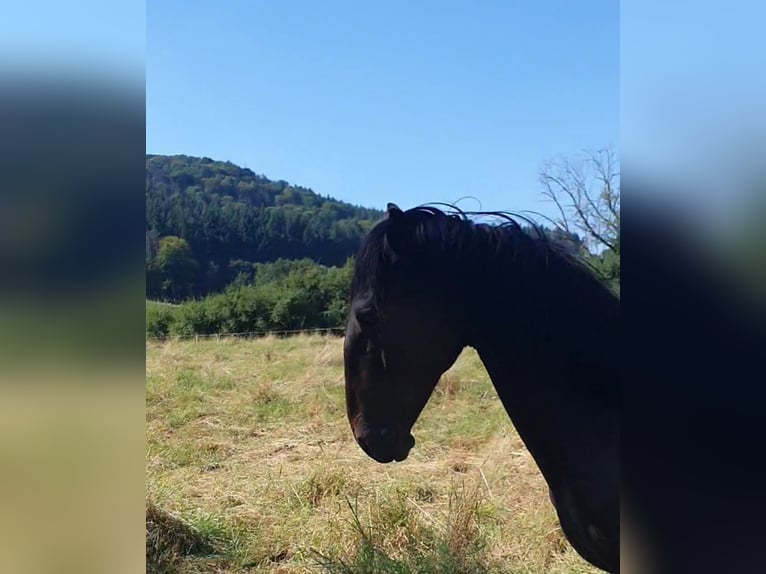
[72,165]
[71,221]
[691,394]
[693,138]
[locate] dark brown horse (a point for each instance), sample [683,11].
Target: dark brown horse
[427,284]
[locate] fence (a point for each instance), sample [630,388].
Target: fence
[339,331]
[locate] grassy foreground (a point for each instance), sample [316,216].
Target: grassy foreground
[251,467]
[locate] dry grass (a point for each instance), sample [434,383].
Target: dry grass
[169,541]
[249,447]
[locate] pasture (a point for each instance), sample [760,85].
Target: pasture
[251,467]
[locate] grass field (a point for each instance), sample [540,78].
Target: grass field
[251,467]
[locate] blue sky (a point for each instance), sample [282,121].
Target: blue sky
[427,101]
[410,102]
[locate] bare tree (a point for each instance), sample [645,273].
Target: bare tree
[587,195]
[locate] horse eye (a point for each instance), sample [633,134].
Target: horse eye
[367,317]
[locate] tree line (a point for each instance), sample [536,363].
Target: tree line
[208,222]
[236,252]
[281,296]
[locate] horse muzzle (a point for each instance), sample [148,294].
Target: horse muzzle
[384,444]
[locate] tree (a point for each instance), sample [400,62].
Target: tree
[587,195]
[176,267]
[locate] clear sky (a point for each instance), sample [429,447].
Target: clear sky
[426,101]
[402,101]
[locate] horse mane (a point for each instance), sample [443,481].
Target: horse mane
[435,236]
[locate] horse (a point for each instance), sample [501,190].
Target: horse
[425,284]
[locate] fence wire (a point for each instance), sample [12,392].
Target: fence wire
[247,334]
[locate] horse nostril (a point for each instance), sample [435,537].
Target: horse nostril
[384,432]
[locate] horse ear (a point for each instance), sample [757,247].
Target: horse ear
[392,211]
[390,247]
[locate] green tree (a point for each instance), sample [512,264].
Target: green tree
[176,267]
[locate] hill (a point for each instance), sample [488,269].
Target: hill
[208,222]
[212,224]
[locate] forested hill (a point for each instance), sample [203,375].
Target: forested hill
[227,217]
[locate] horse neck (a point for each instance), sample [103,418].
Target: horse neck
[551,419]
[551,352]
